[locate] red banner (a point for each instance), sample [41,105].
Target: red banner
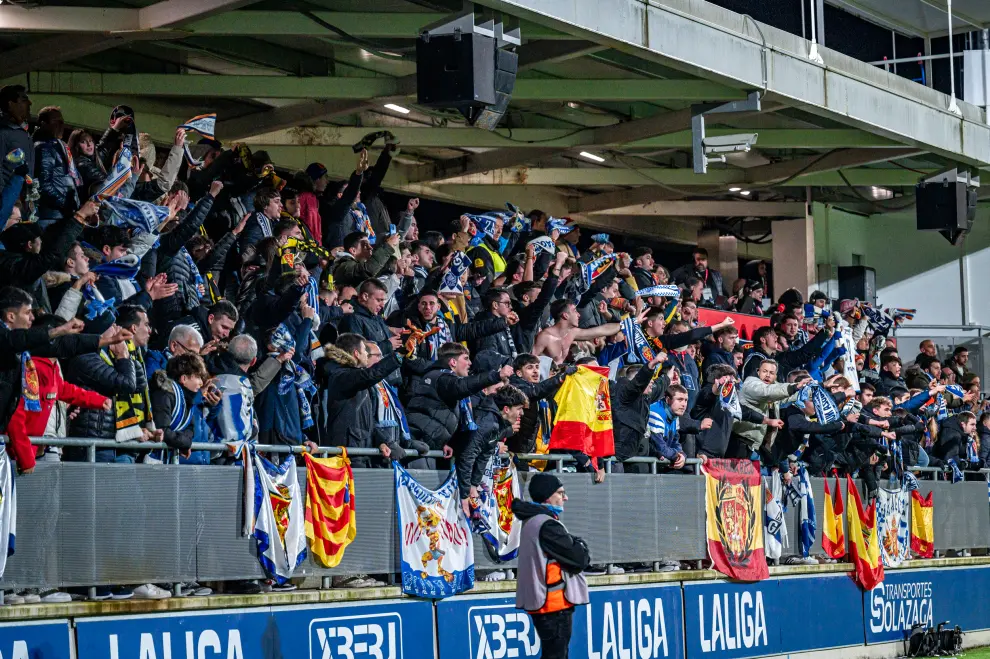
[746,323]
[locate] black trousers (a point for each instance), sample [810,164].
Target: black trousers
[554,630]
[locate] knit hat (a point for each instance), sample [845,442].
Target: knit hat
[542,486]
[316,170]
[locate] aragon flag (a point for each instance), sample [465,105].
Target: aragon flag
[584,414]
[922,530]
[735,519]
[833,536]
[864,543]
[330,521]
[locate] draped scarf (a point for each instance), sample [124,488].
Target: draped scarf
[292,376]
[442,336]
[389,409]
[362,222]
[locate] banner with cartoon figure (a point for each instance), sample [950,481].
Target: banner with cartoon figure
[493,519]
[735,519]
[892,526]
[436,544]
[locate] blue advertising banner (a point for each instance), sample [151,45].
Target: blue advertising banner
[619,623]
[734,620]
[384,630]
[926,597]
[48,639]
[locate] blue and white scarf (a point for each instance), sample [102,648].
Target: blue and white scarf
[639,350]
[434,341]
[559,225]
[592,271]
[600,238]
[124,270]
[878,320]
[543,244]
[826,411]
[119,174]
[264,223]
[142,216]
[660,290]
[361,221]
[292,376]
[205,125]
[799,494]
[728,399]
[451,282]
[389,409]
[487,224]
[96,305]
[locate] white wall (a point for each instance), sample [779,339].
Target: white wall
[915,269]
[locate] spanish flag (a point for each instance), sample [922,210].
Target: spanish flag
[735,519]
[330,520]
[864,544]
[833,536]
[922,530]
[584,414]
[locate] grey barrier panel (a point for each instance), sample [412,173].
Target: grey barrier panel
[90,524]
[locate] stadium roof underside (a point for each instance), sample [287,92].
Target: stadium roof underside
[618,84]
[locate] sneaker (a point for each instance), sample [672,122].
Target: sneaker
[31,596]
[54,597]
[12,599]
[965,553]
[509,575]
[121,593]
[494,575]
[670,566]
[249,587]
[615,569]
[102,593]
[286,587]
[150,591]
[193,589]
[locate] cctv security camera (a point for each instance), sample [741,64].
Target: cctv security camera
[740,143]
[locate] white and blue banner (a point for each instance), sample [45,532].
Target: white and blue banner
[8,509]
[384,629]
[625,622]
[142,216]
[892,526]
[848,365]
[435,538]
[775,538]
[279,516]
[543,244]
[28,639]
[495,522]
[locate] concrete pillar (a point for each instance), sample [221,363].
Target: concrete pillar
[723,254]
[794,255]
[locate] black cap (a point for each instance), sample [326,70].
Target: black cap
[542,486]
[489,360]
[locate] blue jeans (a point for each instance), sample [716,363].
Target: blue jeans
[922,457]
[110,455]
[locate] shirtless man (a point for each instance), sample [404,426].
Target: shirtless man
[555,341]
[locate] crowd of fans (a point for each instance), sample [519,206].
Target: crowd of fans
[289,309]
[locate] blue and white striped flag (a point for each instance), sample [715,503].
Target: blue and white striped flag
[799,494]
[660,290]
[142,216]
[775,538]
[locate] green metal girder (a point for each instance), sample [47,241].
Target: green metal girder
[371,25]
[553,138]
[96,116]
[247,86]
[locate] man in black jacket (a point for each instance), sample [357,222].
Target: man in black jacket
[367,321]
[642,267]
[714,441]
[765,346]
[427,315]
[497,304]
[632,396]
[439,403]
[336,204]
[890,374]
[711,280]
[350,418]
[214,323]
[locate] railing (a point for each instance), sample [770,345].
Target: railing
[85,523]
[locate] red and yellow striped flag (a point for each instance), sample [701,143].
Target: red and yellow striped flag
[864,543]
[922,529]
[330,519]
[833,536]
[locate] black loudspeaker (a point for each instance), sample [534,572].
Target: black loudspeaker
[858,282]
[947,207]
[466,71]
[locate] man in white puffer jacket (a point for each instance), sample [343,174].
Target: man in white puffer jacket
[764,394]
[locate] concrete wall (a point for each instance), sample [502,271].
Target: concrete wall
[915,269]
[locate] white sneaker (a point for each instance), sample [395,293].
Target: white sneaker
[615,569]
[509,575]
[150,591]
[965,553]
[12,599]
[55,597]
[495,575]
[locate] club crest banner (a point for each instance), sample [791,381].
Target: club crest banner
[279,517]
[494,520]
[735,519]
[437,549]
[892,526]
